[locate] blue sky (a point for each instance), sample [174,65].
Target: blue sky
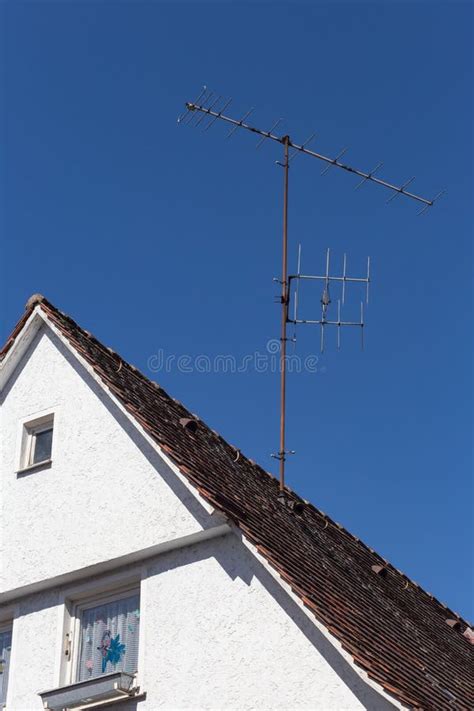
[154,236]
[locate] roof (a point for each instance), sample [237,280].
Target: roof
[416,648]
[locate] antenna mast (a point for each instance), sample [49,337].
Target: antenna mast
[281,455]
[209,106]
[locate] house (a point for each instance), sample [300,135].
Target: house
[147,564]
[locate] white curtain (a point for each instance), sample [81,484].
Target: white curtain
[5,652]
[109,638]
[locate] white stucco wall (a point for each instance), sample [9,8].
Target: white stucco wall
[217,632]
[107,492]
[34,650]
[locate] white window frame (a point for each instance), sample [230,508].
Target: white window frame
[73,635]
[30,428]
[7,626]
[32,434]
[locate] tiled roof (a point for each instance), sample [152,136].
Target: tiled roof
[417,649]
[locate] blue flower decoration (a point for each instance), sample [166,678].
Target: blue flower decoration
[111,649]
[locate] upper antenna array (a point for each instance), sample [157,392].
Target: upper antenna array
[212,105]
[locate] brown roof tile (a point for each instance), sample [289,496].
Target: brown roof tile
[401,636]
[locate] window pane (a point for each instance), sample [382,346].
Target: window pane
[43,442]
[5,652]
[109,638]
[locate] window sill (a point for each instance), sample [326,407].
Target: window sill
[89,693]
[45,464]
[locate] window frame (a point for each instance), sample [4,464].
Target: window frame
[76,620]
[7,626]
[30,428]
[30,448]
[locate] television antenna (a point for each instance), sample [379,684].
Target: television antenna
[212,106]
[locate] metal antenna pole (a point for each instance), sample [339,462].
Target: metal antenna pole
[284,315]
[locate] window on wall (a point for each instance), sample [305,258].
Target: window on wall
[37,442]
[5,653]
[108,634]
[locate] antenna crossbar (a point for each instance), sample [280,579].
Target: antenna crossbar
[328,278]
[324,322]
[398,189]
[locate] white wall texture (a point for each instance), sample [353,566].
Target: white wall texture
[217,631]
[101,498]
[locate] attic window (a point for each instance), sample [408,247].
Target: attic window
[37,442]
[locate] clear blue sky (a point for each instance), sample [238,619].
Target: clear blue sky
[154,236]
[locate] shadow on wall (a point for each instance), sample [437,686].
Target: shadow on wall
[238,562]
[122,705]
